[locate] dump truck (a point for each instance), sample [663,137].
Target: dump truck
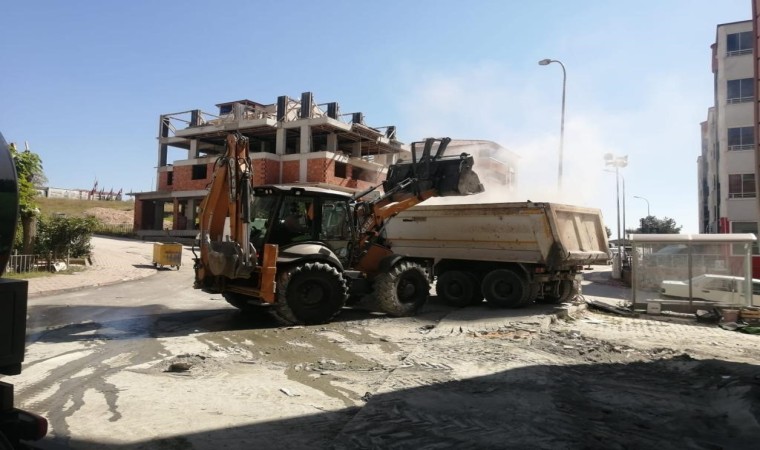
[511,254]
[16,425]
[304,251]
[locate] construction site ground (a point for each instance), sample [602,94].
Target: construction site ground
[151,363]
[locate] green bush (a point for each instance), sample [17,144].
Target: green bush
[65,236]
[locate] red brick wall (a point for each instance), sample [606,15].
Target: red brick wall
[138,215]
[291,171]
[265,171]
[183,178]
[316,170]
[162,182]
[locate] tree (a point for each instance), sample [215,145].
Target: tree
[29,171]
[60,236]
[653,225]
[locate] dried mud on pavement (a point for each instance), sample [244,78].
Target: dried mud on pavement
[476,378]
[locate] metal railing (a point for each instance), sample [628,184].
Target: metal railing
[739,100]
[25,263]
[744,51]
[741,147]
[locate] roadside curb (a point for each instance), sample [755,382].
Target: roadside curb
[46,293]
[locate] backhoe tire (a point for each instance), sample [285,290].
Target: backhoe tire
[564,293]
[310,293]
[458,288]
[504,288]
[403,290]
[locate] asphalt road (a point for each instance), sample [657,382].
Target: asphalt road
[154,364]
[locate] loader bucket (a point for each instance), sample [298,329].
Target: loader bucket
[448,175]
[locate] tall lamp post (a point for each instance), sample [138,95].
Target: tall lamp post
[546,62]
[642,198]
[617,162]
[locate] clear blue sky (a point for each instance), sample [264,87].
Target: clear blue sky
[85,82]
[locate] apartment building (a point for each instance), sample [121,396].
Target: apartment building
[291,141]
[726,166]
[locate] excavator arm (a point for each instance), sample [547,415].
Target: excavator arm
[407,184]
[229,196]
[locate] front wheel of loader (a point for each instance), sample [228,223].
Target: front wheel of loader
[403,290]
[311,293]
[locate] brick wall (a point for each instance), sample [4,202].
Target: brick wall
[316,170]
[265,171]
[290,171]
[183,178]
[138,215]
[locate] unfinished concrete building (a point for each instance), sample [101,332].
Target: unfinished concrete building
[291,141]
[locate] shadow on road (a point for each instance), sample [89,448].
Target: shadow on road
[666,404]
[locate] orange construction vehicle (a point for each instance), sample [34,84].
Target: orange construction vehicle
[304,251]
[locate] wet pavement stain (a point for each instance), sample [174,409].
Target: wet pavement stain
[310,356]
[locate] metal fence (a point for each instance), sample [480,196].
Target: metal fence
[26,263]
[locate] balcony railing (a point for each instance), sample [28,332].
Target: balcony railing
[740,99]
[744,51]
[741,147]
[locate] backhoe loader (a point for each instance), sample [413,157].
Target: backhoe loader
[304,251]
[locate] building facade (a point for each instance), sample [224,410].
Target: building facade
[291,141]
[727,180]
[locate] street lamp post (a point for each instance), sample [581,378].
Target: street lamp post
[618,162]
[642,198]
[546,62]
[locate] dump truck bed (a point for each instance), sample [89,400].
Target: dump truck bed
[551,234]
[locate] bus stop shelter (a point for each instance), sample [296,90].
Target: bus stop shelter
[688,272]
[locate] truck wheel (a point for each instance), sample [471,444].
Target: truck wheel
[505,288]
[564,291]
[403,290]
[458,288]
[312,293]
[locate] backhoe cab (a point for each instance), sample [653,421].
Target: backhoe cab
[303,251]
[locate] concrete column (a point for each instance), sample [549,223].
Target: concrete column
[193,149]
[356,150]
[158,215]
[332,142]
[305,139]
[280,141]
[175,214]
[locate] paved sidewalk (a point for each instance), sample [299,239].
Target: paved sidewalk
[114,260]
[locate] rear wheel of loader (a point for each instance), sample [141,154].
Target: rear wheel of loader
[458,288]
[311,293]
[403,290]
[564,292]
[504,288]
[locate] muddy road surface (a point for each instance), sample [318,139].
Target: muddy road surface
[154,364]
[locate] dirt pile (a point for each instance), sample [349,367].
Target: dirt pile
[110,216]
